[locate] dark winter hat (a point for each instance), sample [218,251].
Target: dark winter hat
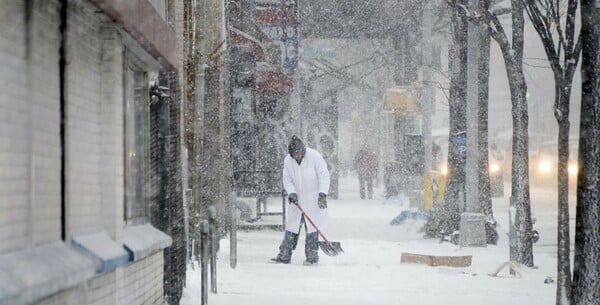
[296,145]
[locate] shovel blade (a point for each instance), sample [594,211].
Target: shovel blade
[331,248]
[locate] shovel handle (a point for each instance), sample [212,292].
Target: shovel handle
[311,222]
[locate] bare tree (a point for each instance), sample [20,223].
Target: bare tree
[447,220]
[586,271]
[563,54]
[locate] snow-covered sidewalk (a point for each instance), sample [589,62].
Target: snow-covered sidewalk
[369,272]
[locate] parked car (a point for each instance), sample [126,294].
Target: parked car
[496,170]
[543,165]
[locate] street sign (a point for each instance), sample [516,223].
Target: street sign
[401,101]
[281,26]
[459,141]
[318,53]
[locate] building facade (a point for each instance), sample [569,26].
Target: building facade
[83,155]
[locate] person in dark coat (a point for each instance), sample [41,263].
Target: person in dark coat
[366,165]
[306,179]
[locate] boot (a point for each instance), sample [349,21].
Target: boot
[278,260]
[311,249]
[289,243]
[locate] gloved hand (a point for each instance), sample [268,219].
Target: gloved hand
[322,200]
[293,198]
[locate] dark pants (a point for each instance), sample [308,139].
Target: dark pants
[290,241]
[365,182]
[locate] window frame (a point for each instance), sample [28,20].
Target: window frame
[136,127]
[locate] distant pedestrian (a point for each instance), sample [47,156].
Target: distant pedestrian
[366,165]
[306,180]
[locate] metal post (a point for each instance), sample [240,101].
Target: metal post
[212,221]
[512,233]
[204,240]
[234,215]
[186,226]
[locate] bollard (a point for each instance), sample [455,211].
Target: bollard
[212,221]
[234,216]
[204,248]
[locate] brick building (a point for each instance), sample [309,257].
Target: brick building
[78,200]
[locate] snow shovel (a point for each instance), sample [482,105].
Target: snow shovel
[331,248]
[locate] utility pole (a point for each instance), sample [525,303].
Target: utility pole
[428,94]
[405,41]
[472,220]
[214,181]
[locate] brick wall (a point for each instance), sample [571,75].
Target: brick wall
[74,296]
[14,129]
[29,103]
[139,283]
[30,143]
[84,137]
[142,282]
[45,118]
[103,290]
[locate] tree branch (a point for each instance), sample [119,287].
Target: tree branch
[573,61]
[490,20]
[518,21]
[543,29]
[556,20]
[498,34]
[570,27]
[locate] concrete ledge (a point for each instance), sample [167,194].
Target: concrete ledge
[109,254]
[436,260]
[144,240]
[31,274]
[140,19]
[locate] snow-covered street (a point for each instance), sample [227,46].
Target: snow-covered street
[370,272]
[141,139]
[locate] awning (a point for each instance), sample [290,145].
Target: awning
[273,83]
[275,17]
[140,19]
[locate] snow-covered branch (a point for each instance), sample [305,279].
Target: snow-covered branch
[543,27]
[489,19]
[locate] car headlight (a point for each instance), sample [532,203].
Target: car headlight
[494,168]
[545,166]
[444,170]
[573,168]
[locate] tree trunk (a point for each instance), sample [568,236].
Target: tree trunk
[457,111]
[520,167]
[563,79]
[563,284]
[520,231]
[586,271]
[520,200]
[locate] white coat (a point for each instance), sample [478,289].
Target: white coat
[307,180]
